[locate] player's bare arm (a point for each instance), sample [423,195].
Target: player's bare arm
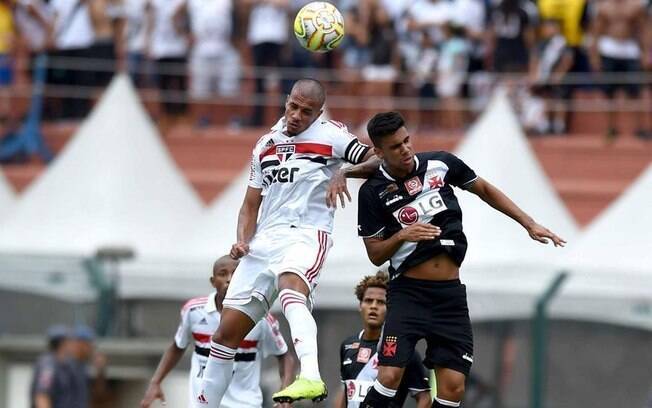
[247,222]
[498,200]
[169,360]
[380,250]
[338,186]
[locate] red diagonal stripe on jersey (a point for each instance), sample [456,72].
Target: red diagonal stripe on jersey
[201,337]
[248,343]
[311,148]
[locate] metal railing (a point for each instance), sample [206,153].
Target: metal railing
[341,95]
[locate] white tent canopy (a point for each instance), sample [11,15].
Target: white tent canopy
[611,264]
[504,269]
[7,197]
[182,266]
[113,185]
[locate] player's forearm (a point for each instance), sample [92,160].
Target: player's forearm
[365,169]
[498,200]
[246,223]
[380,251]
[169,360]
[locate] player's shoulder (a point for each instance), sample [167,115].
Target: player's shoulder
[351,343]
[435,155]
[333,129]
[264,142]
[375,184]
[194,303]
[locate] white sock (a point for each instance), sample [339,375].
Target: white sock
[217,375]
[382,390]
[303,330]
[447,403]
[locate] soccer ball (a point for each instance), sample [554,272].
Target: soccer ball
[319,26]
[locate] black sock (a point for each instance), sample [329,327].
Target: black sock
[374,399]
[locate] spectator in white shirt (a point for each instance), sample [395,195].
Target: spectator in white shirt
[72,38]
[267,42]
[167,45]
[214,62]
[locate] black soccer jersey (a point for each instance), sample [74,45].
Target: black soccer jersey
[386,205]
[359,369]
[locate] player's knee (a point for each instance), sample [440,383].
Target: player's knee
[390,377]
[222,337]
[451,391]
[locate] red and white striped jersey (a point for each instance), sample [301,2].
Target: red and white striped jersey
[199,320]
[294,171]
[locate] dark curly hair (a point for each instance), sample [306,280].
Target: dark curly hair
[379,280]
[384,124]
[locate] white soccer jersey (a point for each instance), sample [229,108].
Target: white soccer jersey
[210,21]
[294,172]
[165,41]
[199,320]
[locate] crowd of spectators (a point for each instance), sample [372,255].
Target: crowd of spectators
[444,54]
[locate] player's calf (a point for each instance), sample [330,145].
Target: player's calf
[378,396]
[304,331]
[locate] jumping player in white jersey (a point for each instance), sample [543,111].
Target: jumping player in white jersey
[199,320]
[283,238]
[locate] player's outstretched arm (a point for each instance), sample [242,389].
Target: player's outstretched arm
[169,360]
[498,200]
[380,250]
[247,222]
[338,187]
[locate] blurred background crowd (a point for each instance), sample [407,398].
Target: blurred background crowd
[225,61]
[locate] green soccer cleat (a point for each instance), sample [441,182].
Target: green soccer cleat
[302,388]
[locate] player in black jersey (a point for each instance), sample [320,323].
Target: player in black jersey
[359,357]
[408,214]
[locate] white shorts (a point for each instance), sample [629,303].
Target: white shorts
[254,286]
[215,75]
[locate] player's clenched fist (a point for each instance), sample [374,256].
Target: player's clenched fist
[239,249]
[419,232]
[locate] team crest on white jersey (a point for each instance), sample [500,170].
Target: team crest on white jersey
[284,152]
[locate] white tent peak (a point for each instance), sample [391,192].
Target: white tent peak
[611,264]
[7,196]
[113,184]
[501,258]
[619,240]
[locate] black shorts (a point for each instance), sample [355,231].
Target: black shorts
[432,310]
[620,65]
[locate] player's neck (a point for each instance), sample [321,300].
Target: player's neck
[218,302]
[398,173]
[371,334]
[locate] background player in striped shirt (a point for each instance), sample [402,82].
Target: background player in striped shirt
[199,320]
[359,353]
